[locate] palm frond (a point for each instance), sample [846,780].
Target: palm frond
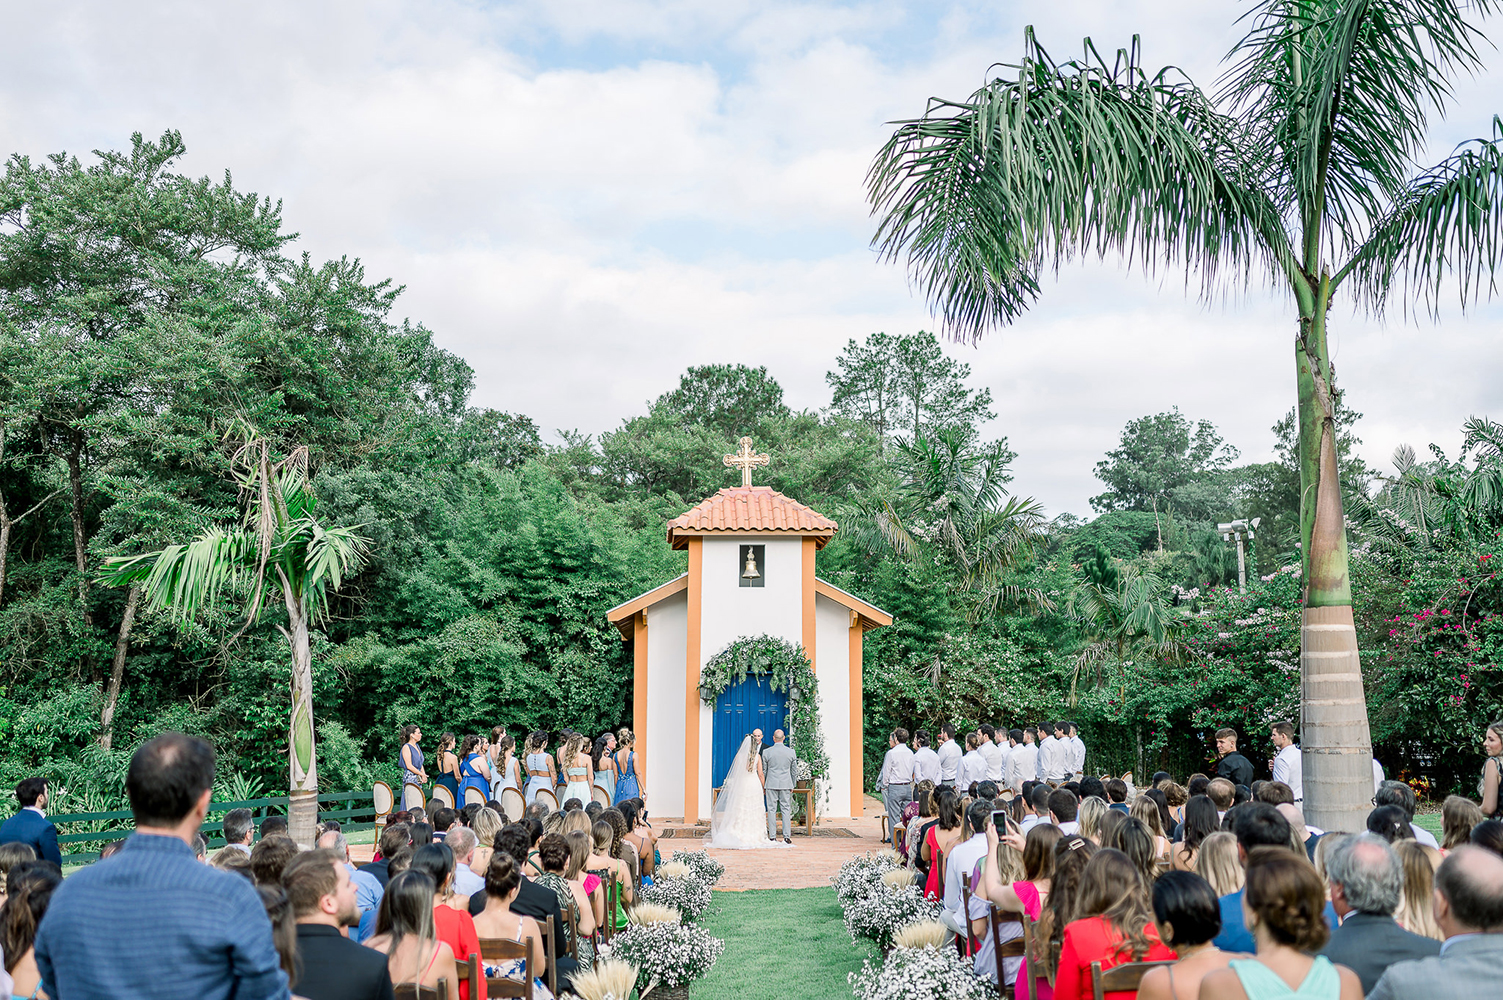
[1447,222]
[188,578]
[1059,161]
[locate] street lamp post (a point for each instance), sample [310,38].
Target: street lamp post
[1241,530]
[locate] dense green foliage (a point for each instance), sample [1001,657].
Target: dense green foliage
[145,316]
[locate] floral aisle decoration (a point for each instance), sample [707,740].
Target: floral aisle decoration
[605,980]
[704,867]
[786,667]
[862,874]
[919,974]
[676,886]
[879,915]
[668,955]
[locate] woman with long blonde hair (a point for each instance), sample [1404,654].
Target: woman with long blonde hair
[1089,816]
[1218,863]
[1416,913]
[578,769]
[628,781]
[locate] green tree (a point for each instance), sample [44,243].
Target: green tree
[731,400]
[1300,172]
[906,385]
[1163,460]
[280,538]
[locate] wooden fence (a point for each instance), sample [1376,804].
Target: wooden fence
[81,836]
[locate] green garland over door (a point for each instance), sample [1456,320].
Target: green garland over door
[787,669]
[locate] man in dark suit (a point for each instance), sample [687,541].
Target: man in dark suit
[1233,766]
[1367,882]
[394,838]
[30,826]
[532,899]
[329,965]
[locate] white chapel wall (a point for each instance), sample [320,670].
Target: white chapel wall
[729,611]
[667,646]
[832,646]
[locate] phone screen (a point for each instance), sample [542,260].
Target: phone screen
[999,820]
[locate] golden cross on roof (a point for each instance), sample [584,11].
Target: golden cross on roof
[746,460]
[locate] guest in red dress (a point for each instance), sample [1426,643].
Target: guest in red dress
[1114,925]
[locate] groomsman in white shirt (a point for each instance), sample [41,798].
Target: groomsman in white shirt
[1287,766]
[949,756]
[973,764]
[1023,764]
[1077,753]
[1054,756]
[994,755]
[896,779]
[925,760]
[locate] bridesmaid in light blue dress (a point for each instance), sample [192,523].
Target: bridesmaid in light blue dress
[577,769]
[540,773]
[507,765]
[605,766]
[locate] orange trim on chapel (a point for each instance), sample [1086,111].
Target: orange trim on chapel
[639,690]
[810,548]
[691,683]
[858,768]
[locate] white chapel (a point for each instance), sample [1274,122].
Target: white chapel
[752,555]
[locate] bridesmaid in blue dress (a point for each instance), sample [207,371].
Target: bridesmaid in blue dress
[505,775]
[410,760]
[627,784]
[540,768]
[475,771]
[605,766]
[448,767]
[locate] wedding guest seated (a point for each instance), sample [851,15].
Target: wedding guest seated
[1256,824]
[1089,817]
[31,886]
[1275,793]
[443,820]
[422,833]
[1133,839]
[283,923]
[610,869]
[468,813]
[1398,793]
[1038,798]
[1071,855]
[572,804]
[407,937]
[1458,815]
[329,965]
[918,815]
[11,855]
[274,826]
[394,837]
[1107,826]
[1488,835]
[240,830]
[1092,787]
[1063,808]
[229,860]
[1025,895]
[1146,810]
[1176,797]
[1469,910]
[461,841]
[1197,785]
[1284,904]
[1417,913]
[940,838]
[537,811]
[487,824]
[557,858]
[1217,863]
[499,921]
[961,860]
[532,900]
[1188,917]
[593,809]
[1223,794]
[621,848]
[1366,882]
[452,922]
[1116,792]
[1114,924]
[270,857]
[1390,823]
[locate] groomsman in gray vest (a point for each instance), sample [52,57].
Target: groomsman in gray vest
[777,765]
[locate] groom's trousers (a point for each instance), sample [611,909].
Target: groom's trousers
[895,798]
[780,798]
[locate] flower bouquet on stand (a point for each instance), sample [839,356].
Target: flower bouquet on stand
[862,874]
[920,974]
[879,915]
[667,954]
[676,885]
[704,867]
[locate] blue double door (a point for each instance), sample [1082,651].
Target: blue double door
[740,708]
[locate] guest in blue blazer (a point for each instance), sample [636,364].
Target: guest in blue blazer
[30,825]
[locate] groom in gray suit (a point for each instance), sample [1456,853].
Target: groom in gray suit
[777,765]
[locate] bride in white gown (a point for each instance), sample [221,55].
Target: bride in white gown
[740,819]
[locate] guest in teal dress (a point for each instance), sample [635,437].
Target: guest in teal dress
[1284,905]
[475,769]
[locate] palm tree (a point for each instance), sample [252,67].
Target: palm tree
[951,499]
[1128,618]
[281,538]
[1299,171]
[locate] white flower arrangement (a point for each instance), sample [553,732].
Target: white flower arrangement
[920,974]
[704,867]
[880,915]
[862,874]
[684,893]
[666,954]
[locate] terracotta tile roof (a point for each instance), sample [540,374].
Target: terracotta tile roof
[750,508]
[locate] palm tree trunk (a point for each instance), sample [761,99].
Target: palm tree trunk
[302,809]
[1335,739]
[117,669]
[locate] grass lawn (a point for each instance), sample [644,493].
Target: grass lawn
[788,942]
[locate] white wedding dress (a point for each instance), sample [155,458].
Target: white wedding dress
[740,819]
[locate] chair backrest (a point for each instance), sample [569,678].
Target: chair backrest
[549,934]
[572,916]
[1029,951]
[965,904]
[600,795]
[383,799]
[1125,977]
[468,969]
[473,797]
[612,900]
[495,950]
[442,794]
[412,796]
[546,795]
[513,805]
[410,991]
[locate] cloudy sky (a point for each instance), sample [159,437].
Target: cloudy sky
[584,198]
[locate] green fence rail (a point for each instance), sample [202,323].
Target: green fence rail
[91,831]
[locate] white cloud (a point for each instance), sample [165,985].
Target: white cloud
[584,198]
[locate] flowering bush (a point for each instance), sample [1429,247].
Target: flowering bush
[920,974]
[704,867]
[880,915]
[862,874]
[685,893]
[666,954]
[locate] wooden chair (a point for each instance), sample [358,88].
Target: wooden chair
[473,797]
[547,795]
[513,805]
[965,902]
[495,950]
[612,899]
[549,935]
[468,972]
[1125,977]
[600,795]
[1013,948]
[572,916]
[900,832]
[409,991]
[1030,950]
[442,795]
[412,796]
[384,801]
